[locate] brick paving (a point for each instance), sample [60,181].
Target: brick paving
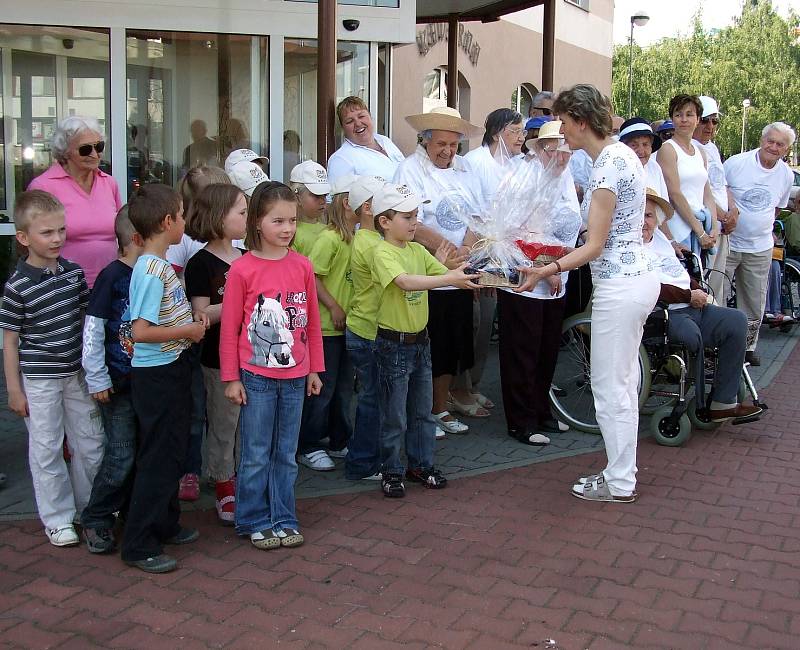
[707,558]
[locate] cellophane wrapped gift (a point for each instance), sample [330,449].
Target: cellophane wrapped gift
[515,225]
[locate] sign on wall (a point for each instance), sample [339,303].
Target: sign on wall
[433,33]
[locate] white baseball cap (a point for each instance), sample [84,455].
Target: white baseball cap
[312,175]
[363,189]
[710,106]
[242,155]
[395,197]
[246,176]
[343,184]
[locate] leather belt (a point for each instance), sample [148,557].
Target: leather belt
[403,337]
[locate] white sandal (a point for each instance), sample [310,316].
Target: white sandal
[449,426]
[473,410]
[484,401]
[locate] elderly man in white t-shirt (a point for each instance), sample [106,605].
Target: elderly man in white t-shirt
[727,212]
[759,182]
[436,173]
[363,152]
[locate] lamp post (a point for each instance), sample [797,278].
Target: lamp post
[745,106]
[639,19]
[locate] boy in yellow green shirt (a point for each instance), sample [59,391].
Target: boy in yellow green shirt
[309,181]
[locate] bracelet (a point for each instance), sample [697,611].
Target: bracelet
[558,265]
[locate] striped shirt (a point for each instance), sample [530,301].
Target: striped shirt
[158,297]
[45,308]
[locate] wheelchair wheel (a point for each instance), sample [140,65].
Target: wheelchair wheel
[571,395]
[697,423]
[666,433]
[790,287]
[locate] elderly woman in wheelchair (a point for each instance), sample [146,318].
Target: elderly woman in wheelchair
[685,310]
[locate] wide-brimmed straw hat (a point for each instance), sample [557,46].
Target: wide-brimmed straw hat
[549,131]
[662,203]
[444,118]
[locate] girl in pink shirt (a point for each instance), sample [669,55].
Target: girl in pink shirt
[270,353]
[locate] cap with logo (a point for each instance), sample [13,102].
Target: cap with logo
[246,176]
[343,184]
[363,189]
[313,176]
[242,155]
[395,197]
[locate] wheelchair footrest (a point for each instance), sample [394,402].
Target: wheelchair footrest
[747,419]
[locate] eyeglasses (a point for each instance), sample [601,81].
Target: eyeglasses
[515,132]
[86,149]
[546,111]
[713,120]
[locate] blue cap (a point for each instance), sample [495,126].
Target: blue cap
[666,126]
[537,122]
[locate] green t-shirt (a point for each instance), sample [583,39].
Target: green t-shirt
[363,314]
[330,256]
[402,311]
[306,235]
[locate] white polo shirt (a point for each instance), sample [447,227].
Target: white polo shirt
[358,160]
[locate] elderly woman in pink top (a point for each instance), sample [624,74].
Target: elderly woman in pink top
[90,197]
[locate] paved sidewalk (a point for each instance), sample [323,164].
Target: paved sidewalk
[707,558]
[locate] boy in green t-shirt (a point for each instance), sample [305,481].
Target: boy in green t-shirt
[309,182]
[403,271]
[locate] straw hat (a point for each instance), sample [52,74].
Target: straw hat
[444,118]
[665,205]
[549,131]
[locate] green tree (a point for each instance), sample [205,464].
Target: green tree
[756,58]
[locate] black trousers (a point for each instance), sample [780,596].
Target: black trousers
[530,333]
[162,401]
[450,329]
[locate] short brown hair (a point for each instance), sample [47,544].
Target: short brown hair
[264,197]
[389,214]
[149,205]
[32,204]
[207,214]
[123,229]
[584,102]
[679,101]
[196,179]
[348,104]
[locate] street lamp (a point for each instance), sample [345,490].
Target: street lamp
[639,19]
[745,106]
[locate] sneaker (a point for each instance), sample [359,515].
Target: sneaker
[189,487]
[63,536]
[430,477]
[290,537]
[392,485]
[317,460]
[158,564]
[377,476]
[338,453]
[184,536]
[440,434]
[265,540]
[225,502]
[99,540]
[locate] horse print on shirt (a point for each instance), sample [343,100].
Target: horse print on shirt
[269,334]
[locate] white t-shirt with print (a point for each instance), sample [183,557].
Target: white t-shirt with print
[716,173]
[489,171]
[618,170]
[757,192]
[655,178]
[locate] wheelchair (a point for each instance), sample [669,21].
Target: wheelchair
[664,381]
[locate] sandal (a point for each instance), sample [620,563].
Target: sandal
[290,537]
[265,540]
[484,401]
[473,410]
[596,489]
[449,426]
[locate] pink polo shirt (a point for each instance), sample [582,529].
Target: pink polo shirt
[89,217]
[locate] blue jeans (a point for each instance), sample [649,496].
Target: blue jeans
[269,427]
[111,489]
[363,451]
[328,414]
[194,454]
[405,399]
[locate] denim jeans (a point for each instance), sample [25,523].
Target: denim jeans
[269,428]
[363,451]
[328,414]
[112,485]
[405,399]
[194,454]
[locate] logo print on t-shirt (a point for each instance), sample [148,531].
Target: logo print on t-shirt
[269,334]
[756,199]
[448,210]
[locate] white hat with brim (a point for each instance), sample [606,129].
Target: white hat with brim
[242,155]
[548,131]
[395,197]
[363,189]
[662,203]
[710,106]
[443,118]
[343,184]
[313,176]
[247,176]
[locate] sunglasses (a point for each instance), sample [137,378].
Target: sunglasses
[86,149]
[713,120]
[546,111]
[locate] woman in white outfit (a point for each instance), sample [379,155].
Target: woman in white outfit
[625,285]
[685,172]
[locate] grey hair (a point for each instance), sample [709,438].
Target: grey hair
[782,128]
[427,134]
[544,95]
[67,129]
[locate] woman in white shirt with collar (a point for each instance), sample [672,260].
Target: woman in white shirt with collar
[625,286]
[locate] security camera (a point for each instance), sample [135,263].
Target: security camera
[351,24]
[68,43]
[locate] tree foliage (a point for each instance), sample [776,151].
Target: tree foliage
[757,58]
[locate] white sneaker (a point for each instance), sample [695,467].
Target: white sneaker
[440,434]
[337,453]
[377,476]
[63,536]
[317,460]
